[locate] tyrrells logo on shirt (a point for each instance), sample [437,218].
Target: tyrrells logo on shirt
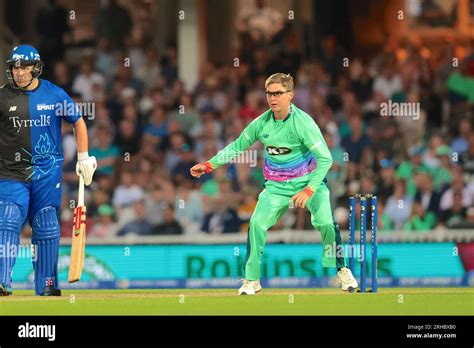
[43,121]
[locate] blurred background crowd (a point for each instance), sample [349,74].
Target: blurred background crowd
[148,129]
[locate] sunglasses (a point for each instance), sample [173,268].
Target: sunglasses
[275,94]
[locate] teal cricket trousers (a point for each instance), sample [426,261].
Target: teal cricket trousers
[273,202]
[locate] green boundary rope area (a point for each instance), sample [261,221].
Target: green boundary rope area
[388,301]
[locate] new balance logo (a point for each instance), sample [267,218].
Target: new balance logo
[12,108]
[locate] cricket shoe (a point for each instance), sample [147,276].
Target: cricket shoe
[250,287]
[348,282]
[5,290]
[50,291]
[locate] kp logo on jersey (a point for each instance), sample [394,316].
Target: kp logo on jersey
[275,151]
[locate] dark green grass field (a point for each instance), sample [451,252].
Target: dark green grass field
[395,301]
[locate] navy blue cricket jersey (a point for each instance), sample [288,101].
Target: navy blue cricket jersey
[30,130]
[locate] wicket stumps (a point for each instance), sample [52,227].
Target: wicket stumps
[363,238]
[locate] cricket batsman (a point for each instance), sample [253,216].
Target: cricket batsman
[297,160]
[31,110]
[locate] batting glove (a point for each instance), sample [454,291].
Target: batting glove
[86,167]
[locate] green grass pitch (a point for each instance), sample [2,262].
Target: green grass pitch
[394,301]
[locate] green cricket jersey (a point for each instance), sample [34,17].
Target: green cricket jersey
[293,147]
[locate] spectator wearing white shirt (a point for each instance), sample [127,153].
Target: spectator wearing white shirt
[150,71]
[458,185]
[84,83]
[189,210]
[388,82]
[127,193]
[398,207]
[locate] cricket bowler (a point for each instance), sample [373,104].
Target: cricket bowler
[297,160]
[31,110]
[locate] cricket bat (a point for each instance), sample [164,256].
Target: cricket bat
[78,241]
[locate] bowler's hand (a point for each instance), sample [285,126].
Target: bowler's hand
[200,169]
[300,199]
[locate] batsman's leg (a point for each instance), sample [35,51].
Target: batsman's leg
[44,206]
[13,210]
[10,228]
[46,241]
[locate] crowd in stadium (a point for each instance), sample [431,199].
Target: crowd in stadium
[148,131]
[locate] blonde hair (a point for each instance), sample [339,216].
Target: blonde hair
[285,79]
